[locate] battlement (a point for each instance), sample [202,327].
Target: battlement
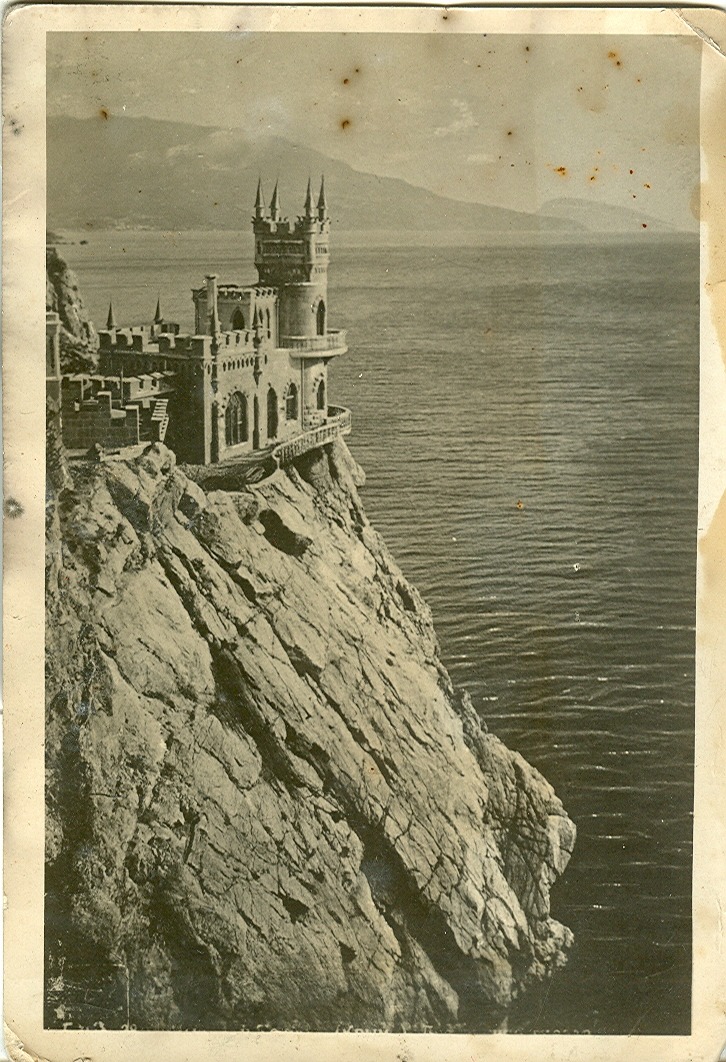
[284,230]
[144,341]
[78,387]
[236,292]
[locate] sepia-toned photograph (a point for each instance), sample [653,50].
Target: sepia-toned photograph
[371,515]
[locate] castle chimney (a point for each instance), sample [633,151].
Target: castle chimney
[212,310]
[111,319]
[275,212]
[259,201]
[322,202]
[309,202]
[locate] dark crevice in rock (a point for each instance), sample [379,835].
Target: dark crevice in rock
[279,535]
[409,602]
[294,908]
[235,706]
[403,906]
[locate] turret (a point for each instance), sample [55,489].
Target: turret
[260,201]
[111,319]
[212,309]
[275,212]
[322,202]
[309,202]
[157,316]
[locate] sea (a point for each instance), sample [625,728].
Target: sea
[526,411]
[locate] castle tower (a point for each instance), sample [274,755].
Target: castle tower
[294,259]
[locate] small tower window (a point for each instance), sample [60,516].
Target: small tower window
[320,395]
[267,317]
[238,321]
[320,318]
[291,402]
[271,414]
[236,427]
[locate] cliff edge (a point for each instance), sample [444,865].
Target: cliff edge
[267,806]
[78,337]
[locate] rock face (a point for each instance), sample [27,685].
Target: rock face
[267,806]
[78,338]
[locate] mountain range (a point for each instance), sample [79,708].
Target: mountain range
[111,172]
[120,172]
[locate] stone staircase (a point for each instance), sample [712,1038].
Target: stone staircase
[160,420]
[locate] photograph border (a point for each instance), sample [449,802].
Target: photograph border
[23,605]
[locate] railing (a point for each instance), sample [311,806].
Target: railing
[333,340]
[342,417]
[338,423]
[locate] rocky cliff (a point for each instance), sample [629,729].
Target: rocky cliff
[267,806]
[78,338]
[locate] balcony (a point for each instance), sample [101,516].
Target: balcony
[338,423]
[333,343]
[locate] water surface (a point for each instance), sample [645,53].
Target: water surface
[526,413]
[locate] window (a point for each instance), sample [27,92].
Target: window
[320,395]
[267,318]
[238,321]
[236,428]
[271,414]
[320,318]
[291,402]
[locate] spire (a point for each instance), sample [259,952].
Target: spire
[275,205]
[111,319]
[158,316]
[260,200]
[309,201]
[322,202]
[212,312]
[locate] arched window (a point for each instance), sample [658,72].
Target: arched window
[236,427]
[320,318]
[271,414]
[291,402]
[238,321]
[320,395]
[267,317]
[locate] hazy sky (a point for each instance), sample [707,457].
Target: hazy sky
[509,120]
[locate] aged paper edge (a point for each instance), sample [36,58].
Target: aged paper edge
[23,333]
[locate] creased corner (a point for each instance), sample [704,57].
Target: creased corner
[15,1048]
[701,32]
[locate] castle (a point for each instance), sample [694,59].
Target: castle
[252,377]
